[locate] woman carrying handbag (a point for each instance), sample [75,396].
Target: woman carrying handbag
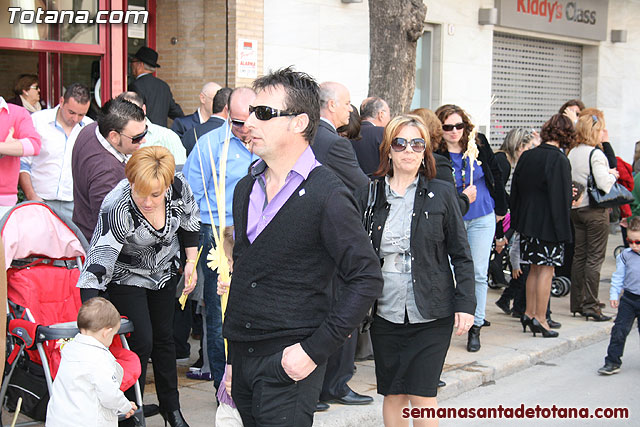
[591,223]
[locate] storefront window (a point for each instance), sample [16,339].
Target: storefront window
[53,20]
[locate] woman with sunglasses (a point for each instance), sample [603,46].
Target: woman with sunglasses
[591,224]
[486,195]
[27,91]
[135,257]
[540,203]
[416,228]
[444,170]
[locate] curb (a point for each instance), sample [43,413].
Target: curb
[521,355]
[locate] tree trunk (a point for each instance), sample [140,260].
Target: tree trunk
[394,29]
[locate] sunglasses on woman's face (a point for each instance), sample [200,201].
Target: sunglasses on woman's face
[400,144]
[449,128]
[633,242]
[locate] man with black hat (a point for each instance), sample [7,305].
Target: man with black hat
[155,92]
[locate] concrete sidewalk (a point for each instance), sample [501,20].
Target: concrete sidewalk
[505,350]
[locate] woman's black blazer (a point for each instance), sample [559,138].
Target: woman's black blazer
[437,235]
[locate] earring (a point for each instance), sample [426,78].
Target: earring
[423,163]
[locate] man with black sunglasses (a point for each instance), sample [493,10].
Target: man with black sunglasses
[198,168]
[296,224]
[99,156]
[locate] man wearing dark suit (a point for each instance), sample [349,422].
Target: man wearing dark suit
[331,149]
[182,124]
[220,113]
[336,153]
[155,92]
[375,115]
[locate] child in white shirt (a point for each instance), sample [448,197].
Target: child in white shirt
[86,390]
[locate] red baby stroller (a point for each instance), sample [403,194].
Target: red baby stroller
[43,255]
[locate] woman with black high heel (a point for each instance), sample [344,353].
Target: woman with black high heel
[540,212]
[134,259]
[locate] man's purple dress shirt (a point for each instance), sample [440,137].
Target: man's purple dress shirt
[261,211]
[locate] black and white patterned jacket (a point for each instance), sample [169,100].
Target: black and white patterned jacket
[127,250]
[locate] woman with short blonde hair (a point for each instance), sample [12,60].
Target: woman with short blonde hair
[134,259]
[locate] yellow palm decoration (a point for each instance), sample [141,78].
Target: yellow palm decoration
[216,258]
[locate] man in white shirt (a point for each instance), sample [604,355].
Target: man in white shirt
[47,177]
[159,135]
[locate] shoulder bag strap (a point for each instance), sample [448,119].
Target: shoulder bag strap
[372,196]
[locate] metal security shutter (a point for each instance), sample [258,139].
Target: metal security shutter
[531,79]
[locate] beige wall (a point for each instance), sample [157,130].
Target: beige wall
[199,55]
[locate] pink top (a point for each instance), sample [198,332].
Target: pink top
[18,119]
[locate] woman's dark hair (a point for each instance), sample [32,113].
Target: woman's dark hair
[559,128]
[24,83]
[393,128]
[443,112]
[571,103]
[352,129]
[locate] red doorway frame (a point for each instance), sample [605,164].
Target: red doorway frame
[111,47]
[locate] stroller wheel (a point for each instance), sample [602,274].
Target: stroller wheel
[557,287]
[492,284]
[566,282]
[617,251]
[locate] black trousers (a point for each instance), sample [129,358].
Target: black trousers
[265,395]
[152,315]
[628,311]
[182,328]
[340,370]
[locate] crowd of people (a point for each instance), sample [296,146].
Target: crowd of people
[337,219]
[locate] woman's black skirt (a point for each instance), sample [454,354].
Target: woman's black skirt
[539,252]
[409,358]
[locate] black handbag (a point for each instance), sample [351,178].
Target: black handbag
[617,196]
[367,221]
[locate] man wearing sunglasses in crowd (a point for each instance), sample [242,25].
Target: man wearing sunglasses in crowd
[99,156]
[198,168]
[296,224]
[157,135]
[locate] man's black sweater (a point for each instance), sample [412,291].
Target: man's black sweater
[281,291]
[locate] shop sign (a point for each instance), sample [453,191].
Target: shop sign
[248,58]
[586,19]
